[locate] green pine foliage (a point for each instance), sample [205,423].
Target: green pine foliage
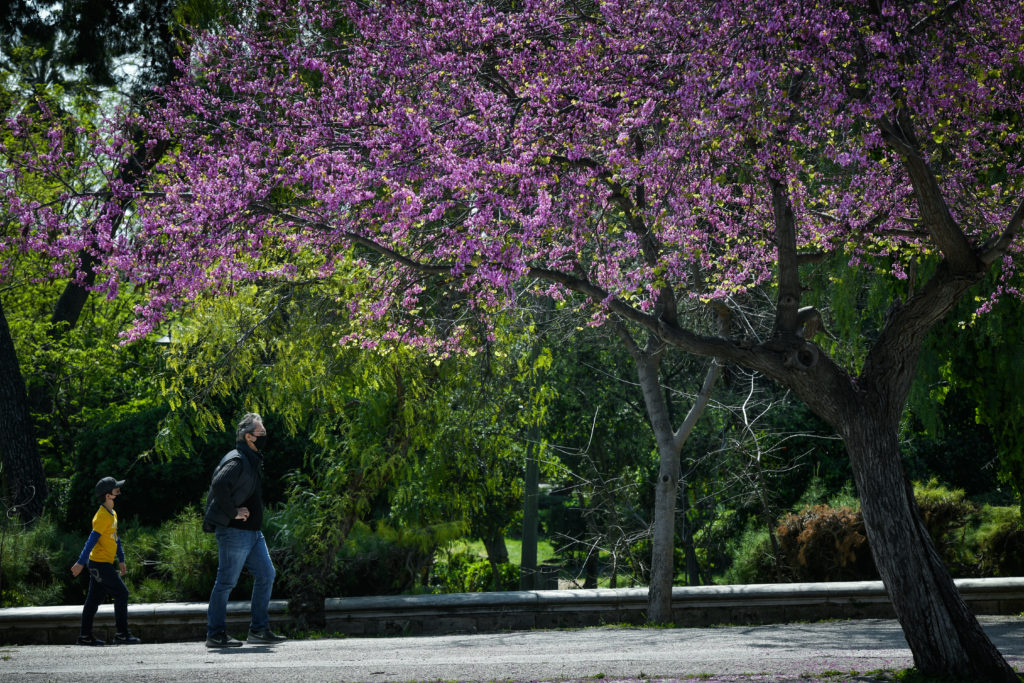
[29,563]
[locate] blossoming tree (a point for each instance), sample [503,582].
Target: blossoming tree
[633,156]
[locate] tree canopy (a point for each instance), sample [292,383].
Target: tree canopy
[494,143]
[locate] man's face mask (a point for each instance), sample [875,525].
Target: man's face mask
[260,442]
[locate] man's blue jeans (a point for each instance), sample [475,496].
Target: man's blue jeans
[237,548]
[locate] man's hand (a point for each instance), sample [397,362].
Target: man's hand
[76,569]
[124,569]
[242,514]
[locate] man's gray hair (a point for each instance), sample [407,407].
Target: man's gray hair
[247,424]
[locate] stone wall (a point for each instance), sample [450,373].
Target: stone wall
[513,610]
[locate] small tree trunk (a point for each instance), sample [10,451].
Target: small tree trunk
[670,445]
[943,634]
[591,568]
[768,515]
[497,554]
[528,558]
[22,468]
[686,536]
[659,599]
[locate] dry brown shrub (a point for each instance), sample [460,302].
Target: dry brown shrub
[822,543]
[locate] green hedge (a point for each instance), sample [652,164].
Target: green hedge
[828,543]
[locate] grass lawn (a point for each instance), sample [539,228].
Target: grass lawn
[514,546]
[544,552]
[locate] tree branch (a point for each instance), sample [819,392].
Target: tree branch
[789,263]
[995,248]
[681,435]
[941,226]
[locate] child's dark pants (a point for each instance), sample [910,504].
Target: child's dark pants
[103,581]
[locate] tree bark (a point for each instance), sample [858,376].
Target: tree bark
[686,536]
[591,568]
[497,554]
[659,597]
[22,468]
[528,556]
[944,636]
[670,444]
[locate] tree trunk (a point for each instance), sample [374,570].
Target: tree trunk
[943,634]
[591,568]
[528,556]
[670,445]
[659,597]
[22,469]
[497,554]
[686,536]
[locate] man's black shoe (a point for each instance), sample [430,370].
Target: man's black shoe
[264,636]
[125,639]
[89,640]
[222,640]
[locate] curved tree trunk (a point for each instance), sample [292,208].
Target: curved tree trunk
[944,636]
[22,469]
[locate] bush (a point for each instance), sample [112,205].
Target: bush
[382,560]
[35,563]
[27,563]
[187,558]
[467,572]
[822,543]
[370,560]
[753,560]
[175,562]
[825,543]
[947,515]
[999,542]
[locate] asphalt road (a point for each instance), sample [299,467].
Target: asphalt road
[842,650]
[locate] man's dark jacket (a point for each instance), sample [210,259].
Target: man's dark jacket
[235,481]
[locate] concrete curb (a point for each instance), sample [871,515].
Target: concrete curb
[514,610]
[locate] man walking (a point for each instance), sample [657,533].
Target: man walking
[234,512]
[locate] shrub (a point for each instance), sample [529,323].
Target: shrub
[947,514]
[27,561]
[373,559]
[999,542]
[822,543]
[825,543]
[382,560]
[753,560]
[467,572]
[187,558]
[177,561]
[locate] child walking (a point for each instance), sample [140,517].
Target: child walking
[100,551]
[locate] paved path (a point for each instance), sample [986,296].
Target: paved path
[754,653]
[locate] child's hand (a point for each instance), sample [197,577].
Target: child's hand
[76,569]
